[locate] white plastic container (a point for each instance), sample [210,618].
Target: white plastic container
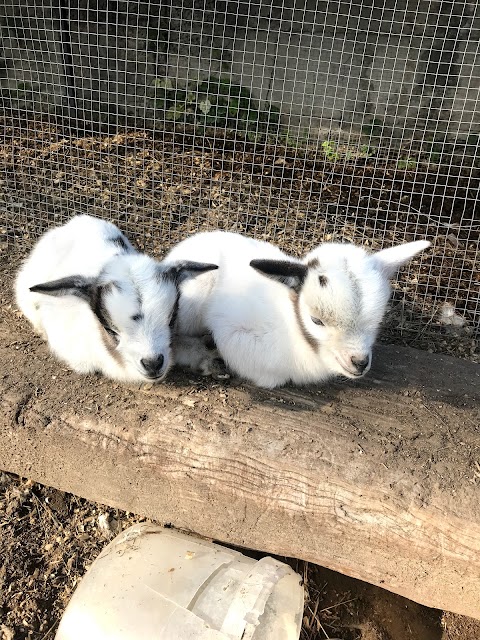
[156,583]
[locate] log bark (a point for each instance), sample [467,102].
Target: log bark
[378,479]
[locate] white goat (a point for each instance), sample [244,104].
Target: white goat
[275,319]
[101,305]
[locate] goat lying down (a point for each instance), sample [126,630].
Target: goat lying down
[101,305]
[275,319]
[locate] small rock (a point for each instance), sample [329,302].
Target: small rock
[448,316]
[104,524]
[329,409]
[56,500]
[453,240]
[6,633]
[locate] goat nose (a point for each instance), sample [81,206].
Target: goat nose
[360,362]
[153,366]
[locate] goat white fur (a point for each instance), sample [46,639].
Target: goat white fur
[275,319]
[101,305]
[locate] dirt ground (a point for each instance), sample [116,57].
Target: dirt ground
[49,538]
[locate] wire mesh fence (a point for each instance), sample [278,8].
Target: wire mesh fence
[295,122]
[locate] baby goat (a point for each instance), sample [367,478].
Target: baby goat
[275,319]
[101,305]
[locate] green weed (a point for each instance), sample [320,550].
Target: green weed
[214,102]
[406,163]
[330,149]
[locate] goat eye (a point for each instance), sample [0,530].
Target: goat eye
[318,322]
[137,317]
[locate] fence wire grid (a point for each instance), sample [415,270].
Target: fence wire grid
[295,122]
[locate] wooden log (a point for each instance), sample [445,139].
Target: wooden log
[379,479]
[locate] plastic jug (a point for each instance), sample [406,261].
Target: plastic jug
[156,583]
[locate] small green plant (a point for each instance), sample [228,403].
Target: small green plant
[367,151]
[330,149]
[406,163]
[289,138]
[215,102]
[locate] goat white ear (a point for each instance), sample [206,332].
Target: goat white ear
[292,274]
[390,260]
[78,286]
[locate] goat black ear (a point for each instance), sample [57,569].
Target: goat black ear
[78,286]
[183,269]
[292,274]
[122,243]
